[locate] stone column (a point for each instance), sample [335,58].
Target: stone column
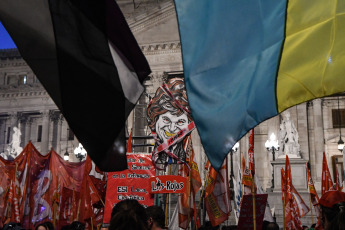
[27,135]
[302,128]
[272,127]
[59,128]
[318,140]
[45,132]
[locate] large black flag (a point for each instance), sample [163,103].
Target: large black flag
[86,57]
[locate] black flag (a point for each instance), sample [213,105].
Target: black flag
[86,57]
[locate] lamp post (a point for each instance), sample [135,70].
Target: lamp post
[66,156]
[272,146]
[80,152]
[232,151]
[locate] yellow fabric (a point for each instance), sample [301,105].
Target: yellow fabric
[313,57]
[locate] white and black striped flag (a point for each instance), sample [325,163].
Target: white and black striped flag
[86,57]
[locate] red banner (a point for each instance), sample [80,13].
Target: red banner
[245,221]
[132,183]
[168,184]
[37,188]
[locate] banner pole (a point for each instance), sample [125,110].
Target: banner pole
[284,204]
[202,192]
[311,210]
[167,200]
[73,199]
[254,208]
[189,189]
[91,223]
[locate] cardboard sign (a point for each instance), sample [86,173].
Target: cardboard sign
[132,183]
[245,222]
[168,184]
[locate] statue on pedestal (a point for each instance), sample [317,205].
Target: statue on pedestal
[288,137]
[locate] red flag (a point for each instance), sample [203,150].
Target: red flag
[292,215]
[314,197]
[249,172]
[327,183]
[303,209]
[251,152]
[184,207]
[129,143]
[217,195]
[68,207]
[91,202]
[243,163]
[339,184]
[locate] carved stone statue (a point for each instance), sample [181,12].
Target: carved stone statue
[288,137]
[14,148]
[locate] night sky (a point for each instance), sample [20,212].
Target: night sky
[5,39]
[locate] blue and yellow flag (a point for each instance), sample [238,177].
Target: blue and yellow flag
[247,61]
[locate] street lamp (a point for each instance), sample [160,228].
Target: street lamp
[232,151]
[66,156]
[80,152]
[272,146]
[340,145]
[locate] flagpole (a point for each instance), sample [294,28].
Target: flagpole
[167,200]
[254,208]
[284,204]
[189,189]
[73,199]
[91,223]
[202,192]
[311,210]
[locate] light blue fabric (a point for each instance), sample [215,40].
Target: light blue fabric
[231,51]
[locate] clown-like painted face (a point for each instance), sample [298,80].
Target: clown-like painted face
[168,125]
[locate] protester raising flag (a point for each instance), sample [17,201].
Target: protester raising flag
[314,198]
[78,47]
[326,183]
[217,194]
[185,200]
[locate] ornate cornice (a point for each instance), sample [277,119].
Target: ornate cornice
[161,48]
[145,17]
[24,93]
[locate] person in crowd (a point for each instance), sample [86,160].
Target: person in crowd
[270,225]
[45,226]
[156,217]
[333,210]
[13,226]
[305,227]
[76,225]
[128,215]
[313,226]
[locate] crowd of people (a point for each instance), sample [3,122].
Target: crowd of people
[131,215]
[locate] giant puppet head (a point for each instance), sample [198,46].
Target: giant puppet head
[168,114]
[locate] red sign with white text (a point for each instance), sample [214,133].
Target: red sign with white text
[132,183]
[168,184]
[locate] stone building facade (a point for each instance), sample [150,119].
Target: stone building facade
[25,104]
